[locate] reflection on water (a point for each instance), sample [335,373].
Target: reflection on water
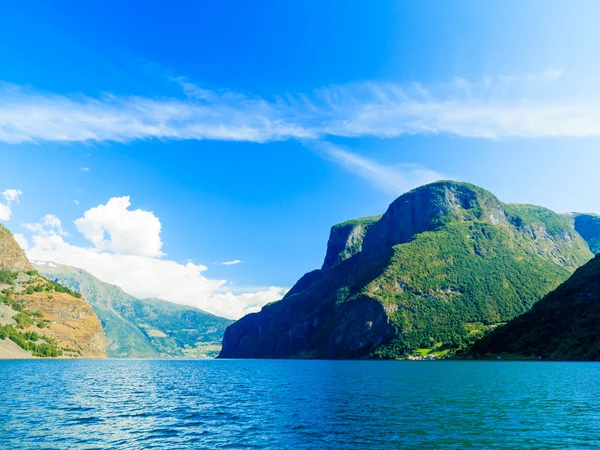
[298,404]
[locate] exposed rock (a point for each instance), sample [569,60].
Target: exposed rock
[12,256]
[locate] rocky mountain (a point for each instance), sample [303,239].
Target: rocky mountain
[40,318]
[563,325]
[446,263]
[142,328]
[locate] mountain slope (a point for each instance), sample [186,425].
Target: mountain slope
[563,325]
[39,317]
[445,262]
[137,328]
[588,226]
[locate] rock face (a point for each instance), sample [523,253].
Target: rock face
[73,324]
[445,262]
[12,256]
[142,328]
[41,317]
[563,325]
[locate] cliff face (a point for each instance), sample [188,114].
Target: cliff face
[445,261]
[41,317]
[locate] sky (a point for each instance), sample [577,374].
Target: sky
[201,151]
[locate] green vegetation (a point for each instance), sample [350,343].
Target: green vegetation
[8,277]
[465,272]
[203,350]
[563,325]
[445,266]
[30,341]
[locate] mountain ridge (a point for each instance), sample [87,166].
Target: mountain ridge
[142,328]
[444,262]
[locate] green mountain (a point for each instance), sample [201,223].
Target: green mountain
[446,262]
[563,325]
[142,328]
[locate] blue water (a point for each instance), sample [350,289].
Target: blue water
[298,404]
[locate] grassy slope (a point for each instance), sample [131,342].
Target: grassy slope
[563,325]
[444,281]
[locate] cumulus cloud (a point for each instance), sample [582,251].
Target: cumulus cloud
[10,196]
[139,271]
[113,227]
[231,263]
[491,108]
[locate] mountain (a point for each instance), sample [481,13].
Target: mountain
[563,325]
[444,264]
[137,328]
[588,226]
[40,318]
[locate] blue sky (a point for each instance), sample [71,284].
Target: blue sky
[247,130]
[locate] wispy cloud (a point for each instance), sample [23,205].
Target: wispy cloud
[85,169]
[491,108]
[395,179]
[231,263]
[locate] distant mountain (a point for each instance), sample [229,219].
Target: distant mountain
[588,226]
[142,328]
[563,325]
[444,264]
[40,318]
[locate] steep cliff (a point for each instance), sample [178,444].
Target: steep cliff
[443,264]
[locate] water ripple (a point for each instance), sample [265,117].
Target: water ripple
[298,404]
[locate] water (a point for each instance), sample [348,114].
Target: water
[298,404]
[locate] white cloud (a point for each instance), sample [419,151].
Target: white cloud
[395,179]
[76,202]
[5,212]
[50,224]
[85,169]
[12,195]
[129,232]
[491,108]
[142,275]
[231,263]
